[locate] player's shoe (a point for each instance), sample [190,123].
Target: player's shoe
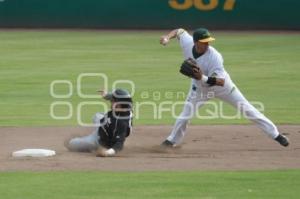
[167,144]
[283,140]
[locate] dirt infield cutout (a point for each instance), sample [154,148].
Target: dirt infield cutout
[220,147]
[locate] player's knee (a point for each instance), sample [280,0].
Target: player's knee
[74,144]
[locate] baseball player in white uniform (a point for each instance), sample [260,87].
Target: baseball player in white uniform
[211,78]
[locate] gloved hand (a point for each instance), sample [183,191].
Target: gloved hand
[189,68]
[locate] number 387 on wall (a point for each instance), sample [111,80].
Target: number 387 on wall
[201,4]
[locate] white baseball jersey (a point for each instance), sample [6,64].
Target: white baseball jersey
[210,63]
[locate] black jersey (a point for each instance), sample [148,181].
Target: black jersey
[114,128]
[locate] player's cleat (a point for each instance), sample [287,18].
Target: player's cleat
[167,144]
[283,140]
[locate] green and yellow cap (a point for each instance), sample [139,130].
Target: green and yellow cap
[202,35]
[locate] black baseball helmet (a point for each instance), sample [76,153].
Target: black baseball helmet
[120,95]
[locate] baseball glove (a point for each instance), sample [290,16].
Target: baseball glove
[189,68]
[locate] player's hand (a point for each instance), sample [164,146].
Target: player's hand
[190,69]
[102,92]
[164,40]
[220,82]
[102,152]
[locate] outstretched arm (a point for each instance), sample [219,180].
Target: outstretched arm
[165,39]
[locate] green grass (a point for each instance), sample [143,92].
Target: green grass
[198,185]
[264,66]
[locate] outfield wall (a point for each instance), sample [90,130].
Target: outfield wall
[151,14]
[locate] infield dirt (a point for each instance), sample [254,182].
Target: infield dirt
[221,147]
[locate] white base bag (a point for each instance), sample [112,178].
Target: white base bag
[37,153]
